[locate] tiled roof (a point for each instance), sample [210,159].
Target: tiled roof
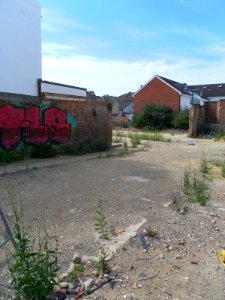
[182,87]
[209,90]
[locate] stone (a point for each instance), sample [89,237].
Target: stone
[194,261]
[60,294]
[88,284]
[64,285]
[76,258]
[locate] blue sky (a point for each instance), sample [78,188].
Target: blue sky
[114,46]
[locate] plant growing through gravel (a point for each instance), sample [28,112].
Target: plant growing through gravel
[223,169]
[204,166]
[101,222]
[150,232]
[102,264]
[75,273]
[34,263]
[195,188]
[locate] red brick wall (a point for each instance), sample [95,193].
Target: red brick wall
[157,92]
[93,122]
[78,123]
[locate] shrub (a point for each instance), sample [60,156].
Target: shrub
[153,117]
[43,151]
[181,120]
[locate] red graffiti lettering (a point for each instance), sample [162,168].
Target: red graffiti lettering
[11,120]
[17,124]
[35,133]
[57,126]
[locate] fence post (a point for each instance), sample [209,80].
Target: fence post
[194,119]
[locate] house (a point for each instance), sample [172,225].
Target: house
[164,91]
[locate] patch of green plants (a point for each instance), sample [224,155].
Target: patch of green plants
[204,166]
[195,188]
[124,151]
[43,151]
[75,273]
[34,264]
[153,117]
[101,264]
[219,134]
[7,156]
[101,222]
[223,169]
[180,120]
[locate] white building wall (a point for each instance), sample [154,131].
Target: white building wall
[185,101]
[20,46]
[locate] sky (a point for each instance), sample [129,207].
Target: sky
[114,46]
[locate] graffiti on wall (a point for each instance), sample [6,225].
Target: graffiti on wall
[32,125]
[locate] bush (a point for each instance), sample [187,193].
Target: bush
[43,151]
[154,116]
[7,156]
[181,120]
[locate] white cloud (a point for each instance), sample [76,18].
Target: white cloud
[115,77]
[53,21]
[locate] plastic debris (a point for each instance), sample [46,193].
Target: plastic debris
[143,241]
[190,143]
[221,256]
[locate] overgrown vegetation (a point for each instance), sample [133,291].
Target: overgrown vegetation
[219,134]
[180,120]
[101,222]
[154,116]
[195,187]
[34,263]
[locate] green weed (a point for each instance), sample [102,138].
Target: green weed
[204,166]
[75,273]
[102,264]
[34,263]
[101,222]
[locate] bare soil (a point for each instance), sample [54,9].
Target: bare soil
[181,262]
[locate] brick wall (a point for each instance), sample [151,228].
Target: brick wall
[93,122]
[215,112]
[78,123]
[157,92]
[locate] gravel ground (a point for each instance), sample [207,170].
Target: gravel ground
[181,262]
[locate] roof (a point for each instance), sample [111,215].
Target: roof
[209,90]
[181,88]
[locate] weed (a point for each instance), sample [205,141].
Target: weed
[178,204]
[219,135]
[186,183]
[223,169]
[101,222]
[124,151]
[34,266]
[151,232]
[75,273]
[43,151]
[196,188]
[204,166]
[102,264]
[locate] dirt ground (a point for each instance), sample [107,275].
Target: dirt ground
[180,264]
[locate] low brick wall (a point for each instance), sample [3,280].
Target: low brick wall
[93,122]
[77,123]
